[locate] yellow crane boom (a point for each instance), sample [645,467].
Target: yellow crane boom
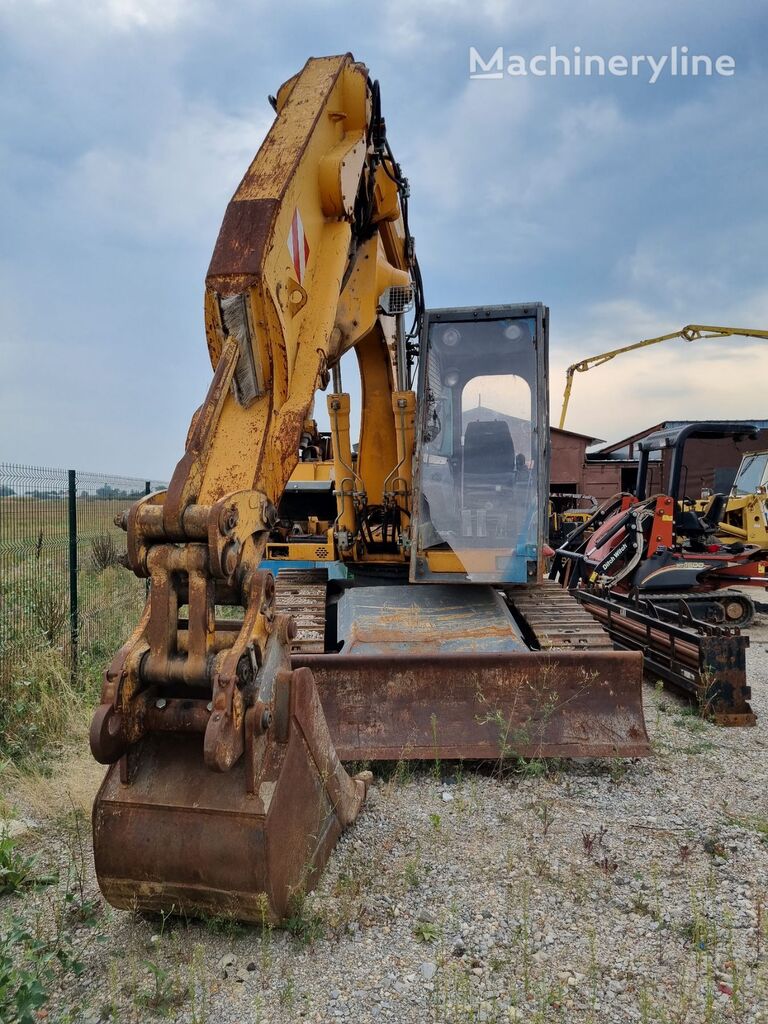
[692,332]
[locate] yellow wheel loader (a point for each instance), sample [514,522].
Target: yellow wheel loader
[744,517]
[424,628]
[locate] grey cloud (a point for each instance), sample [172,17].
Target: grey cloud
[126,125]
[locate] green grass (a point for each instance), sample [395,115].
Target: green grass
[754,823]
[34,579]
[38,695]
[18,871]
[426,931]
[29,966]
[304,923]
[37,706]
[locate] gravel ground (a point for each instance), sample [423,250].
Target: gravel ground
[593,892]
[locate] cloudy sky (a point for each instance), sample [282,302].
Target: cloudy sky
[629,208]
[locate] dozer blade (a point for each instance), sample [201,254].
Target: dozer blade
[172,835]
[482,705]
[446,671]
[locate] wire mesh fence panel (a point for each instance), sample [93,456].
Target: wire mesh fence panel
[61,579]
[109,597]
[34,563]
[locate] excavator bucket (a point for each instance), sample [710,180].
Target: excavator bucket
[170,834]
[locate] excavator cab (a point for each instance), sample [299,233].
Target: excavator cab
[481,448]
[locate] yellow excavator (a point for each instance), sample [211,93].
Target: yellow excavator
[424,628]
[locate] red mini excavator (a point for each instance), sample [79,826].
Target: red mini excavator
[660,548]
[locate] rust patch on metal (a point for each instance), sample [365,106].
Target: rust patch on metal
[185,840]
[482,706]
[240,248]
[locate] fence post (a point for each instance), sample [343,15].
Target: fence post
[73,616]
[147,490]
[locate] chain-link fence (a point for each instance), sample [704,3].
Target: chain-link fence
[61,584]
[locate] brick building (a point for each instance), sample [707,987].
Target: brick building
[569,450]
[708,464]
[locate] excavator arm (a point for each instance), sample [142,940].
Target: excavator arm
[301,266]
[313,247]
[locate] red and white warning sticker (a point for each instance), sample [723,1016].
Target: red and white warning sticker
[298,246]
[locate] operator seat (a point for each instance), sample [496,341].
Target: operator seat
[489,454]
[697,528]
[714,513]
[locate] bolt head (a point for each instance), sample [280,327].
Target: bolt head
[160,703]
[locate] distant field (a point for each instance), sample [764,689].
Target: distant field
[34,577]
[22,518]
